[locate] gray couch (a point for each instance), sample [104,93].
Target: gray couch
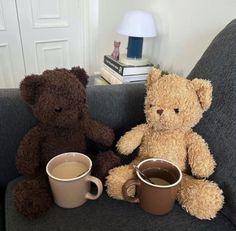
[121,107]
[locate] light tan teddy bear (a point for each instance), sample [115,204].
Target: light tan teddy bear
[173,106]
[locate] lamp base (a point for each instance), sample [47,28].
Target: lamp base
[132,61]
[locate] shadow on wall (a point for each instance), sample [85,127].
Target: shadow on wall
[180,56]
[191,49]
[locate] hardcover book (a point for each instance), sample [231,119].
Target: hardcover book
[126,78]
[113,80]
[123,69]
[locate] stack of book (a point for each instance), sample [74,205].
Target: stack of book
[116,72]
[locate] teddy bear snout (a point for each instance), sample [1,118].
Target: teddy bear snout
[168,119]
[159,111]
[58,109]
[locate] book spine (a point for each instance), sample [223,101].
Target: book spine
[113,65]
[109,77]
[126,70]
[110,70]
[136,70]
[126,78]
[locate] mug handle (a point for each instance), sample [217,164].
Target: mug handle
[98,183]
[125,189]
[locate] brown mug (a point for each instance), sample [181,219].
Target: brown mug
[157,193]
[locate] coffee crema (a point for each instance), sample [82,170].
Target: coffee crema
[70,169]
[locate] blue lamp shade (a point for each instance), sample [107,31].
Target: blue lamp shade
[137,25]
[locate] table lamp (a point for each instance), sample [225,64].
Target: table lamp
[137,25]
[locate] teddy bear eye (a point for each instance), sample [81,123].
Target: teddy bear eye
[151,105]
[176,110]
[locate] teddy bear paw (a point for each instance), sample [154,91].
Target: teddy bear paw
[202,199]
[116,179]
[103,162]
[30,199]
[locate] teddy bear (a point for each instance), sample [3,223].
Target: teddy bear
[173,106]
[58,100]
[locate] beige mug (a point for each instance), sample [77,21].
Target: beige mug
[75,191]
[157,193]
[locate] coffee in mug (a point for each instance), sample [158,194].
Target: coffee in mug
[159,176]
[69,169]
[70,177]
[156,193]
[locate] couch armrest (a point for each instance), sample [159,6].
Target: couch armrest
[15,120]
[218,125]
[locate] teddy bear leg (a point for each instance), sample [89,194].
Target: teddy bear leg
[103,162]
[32,197]
[116,179]
[201,198]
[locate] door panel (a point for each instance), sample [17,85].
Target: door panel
[52,53]
[11,58]
[6,66]
[52,34]
[53,13]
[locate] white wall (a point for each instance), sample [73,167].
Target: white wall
[185,29]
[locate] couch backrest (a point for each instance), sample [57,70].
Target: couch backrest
[15,120]
[120,107]
[218,64]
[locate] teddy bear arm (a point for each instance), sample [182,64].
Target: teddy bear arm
[27,157]
[131,139]
[99,133]
[200,159]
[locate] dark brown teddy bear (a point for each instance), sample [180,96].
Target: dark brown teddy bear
[58,101]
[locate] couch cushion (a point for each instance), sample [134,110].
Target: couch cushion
[218,126]
[118,106]
[108,214]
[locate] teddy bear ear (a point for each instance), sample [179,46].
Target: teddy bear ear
[81,74]
[203,89]
[29,88]
[153,76]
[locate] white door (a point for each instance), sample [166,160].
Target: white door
[53,34]
[11,58]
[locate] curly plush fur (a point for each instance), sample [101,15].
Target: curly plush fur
[173,106]
[58,101]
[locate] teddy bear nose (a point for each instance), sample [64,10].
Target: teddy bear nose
[159,111]
[58,109]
